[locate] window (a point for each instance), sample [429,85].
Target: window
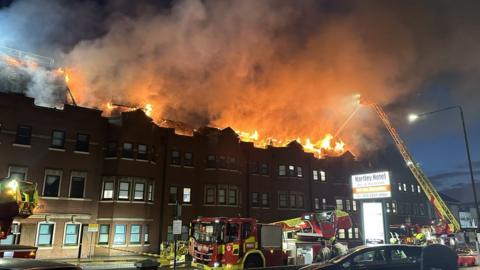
[300,201]
[211,161]
[282,170]
[103,233]
[127,151]
[394,207]
[293,200]
[139,191]
[264,168]
[323,177]
[413,188]
[120,234]
[175,157]
[150,192]
[146,234]
[254,198]
[221,196]
[317,203]
[232,163]
[111,149]
[264,199]
[187,193]
[45,234]
[51,185]
[83,142]
[418,189]
[354,205]
[71,234]
[400,186]
[282,200]
[232,196]
[324,203]
[347,205]
[422,209]
[124,190]
[172,195]
[387,207]
[17,173]
[14,237]
[291,170]
[253,167]
[210,195]
[341,233]
[58,139]
[222,162]
[404,187]
[135,233]
[405,255]
[299,171]
[350,233]
[142,152]
[339,204]
[77,184]
[24,134]
[355,230]
[315,175]
[153,154]
[370,257]
[107,193]
[188,159]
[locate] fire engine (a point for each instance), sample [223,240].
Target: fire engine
[238,243]
[17,200]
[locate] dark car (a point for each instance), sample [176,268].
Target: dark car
[31,264]
[389,257]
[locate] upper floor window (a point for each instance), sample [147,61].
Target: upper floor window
[45,234]
[83,142]
[404,187]
[51,187]
[255,199]
[282,200]
[315,174]
[24,134]
[253,167]
[232,195]
[418,189]
[299,171]
[17,173]
[77,184]
[413,188]
[354,205]
[135,233]
[339,204]
[222,162]
[221,195]
[400,186]
[153,154]
[232,163]
[323,176]
[211,161]
[150,192]
[142,152]
[120,234]
[210,194]
[347,205]
[173,195]
[265,199]
[139,191]
[188,159]
[58,139]
[111,149]
[146,234]
[317,203]
[187,193]
[108,184]
[324,203]
[127,150]
[123,190]
[175,157]
[282,170]
[291,170]
[264,169]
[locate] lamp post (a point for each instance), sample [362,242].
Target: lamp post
[413,117]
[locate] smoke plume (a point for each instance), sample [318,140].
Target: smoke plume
[287,69]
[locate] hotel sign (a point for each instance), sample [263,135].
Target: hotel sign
[371,186]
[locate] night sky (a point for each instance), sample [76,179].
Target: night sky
[412,56]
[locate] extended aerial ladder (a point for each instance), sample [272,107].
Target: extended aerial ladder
[439,205]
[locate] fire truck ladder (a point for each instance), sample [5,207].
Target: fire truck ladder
[440,207]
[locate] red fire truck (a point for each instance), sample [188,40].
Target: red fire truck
[239,243]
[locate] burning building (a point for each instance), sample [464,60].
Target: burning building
[126,173]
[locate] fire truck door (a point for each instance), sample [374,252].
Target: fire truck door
[233,243]
[249,241]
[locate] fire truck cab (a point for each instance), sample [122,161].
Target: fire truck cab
[235,243]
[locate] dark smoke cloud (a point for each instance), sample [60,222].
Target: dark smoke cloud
[286,68]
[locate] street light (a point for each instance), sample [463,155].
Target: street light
[413,117]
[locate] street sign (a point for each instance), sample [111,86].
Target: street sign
[92,227]
[371,186]
[177,227]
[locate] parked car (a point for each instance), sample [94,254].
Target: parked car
[391,257]
[32,264]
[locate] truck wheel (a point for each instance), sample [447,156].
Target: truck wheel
[253,261]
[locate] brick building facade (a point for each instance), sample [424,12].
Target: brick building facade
[126,174]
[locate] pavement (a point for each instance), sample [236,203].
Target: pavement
[113,262]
